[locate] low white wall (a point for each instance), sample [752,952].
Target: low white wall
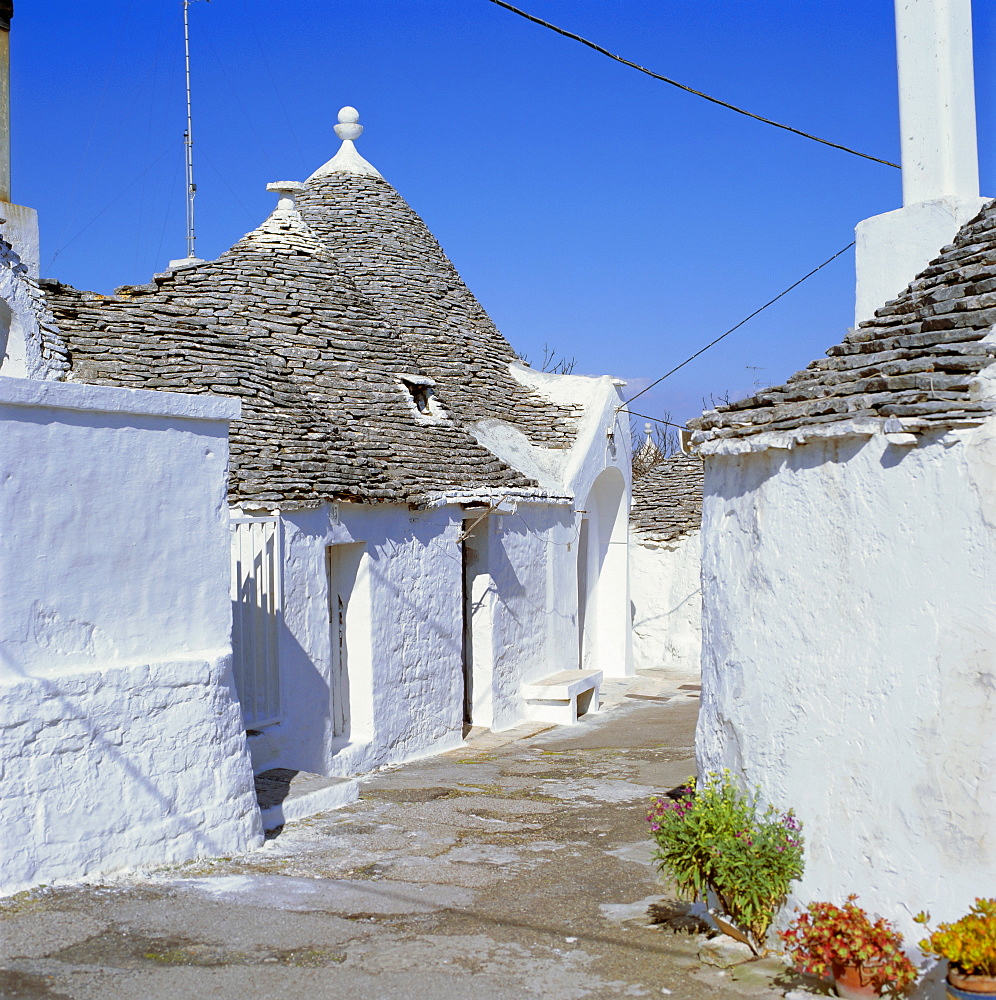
[110,768]
[665,587]
[849,659]
[117,723]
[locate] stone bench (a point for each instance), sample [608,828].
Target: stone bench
[562,697]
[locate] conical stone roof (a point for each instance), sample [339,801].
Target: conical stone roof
[667,500]
[387,250]
[318,368]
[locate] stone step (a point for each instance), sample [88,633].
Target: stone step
[286,795]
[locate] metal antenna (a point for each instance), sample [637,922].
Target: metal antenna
[188,140]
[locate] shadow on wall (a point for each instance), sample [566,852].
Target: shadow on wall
[346,691]
[664,615]
[132,796]
[742,474]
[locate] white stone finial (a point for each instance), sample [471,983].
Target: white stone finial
[648,429]
[349,126]
[288,191]
[347,160]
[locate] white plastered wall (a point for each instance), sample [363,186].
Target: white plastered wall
[595,471]
[849,658]
[531,562]
[120,737]
[22,305]
[666,591]
[404,654]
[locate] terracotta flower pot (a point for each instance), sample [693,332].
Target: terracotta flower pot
[854,982]
[964,986]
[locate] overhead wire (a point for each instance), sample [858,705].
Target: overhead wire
[690,90]
[659,420]
[116,198]
[169,205]
[74,203]
[733,329]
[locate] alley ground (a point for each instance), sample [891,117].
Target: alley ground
[516,867]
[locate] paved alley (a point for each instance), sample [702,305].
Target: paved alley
[517,866]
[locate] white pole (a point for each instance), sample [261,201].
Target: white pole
[936,100]
[188,138]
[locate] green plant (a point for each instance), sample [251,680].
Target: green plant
[969,944]
[718,838]
[825,938]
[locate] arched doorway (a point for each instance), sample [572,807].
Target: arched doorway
[603,578]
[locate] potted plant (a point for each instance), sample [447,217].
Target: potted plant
[716,840]
[969,945]
[863,958]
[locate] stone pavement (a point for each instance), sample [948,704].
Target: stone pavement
[518,866]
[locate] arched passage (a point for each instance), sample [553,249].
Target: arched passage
[603,578]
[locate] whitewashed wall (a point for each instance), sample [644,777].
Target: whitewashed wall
[119,737]
[595,473]
[404,630]
[849,658]
[665,587]
[533,565]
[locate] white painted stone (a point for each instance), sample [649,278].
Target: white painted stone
[120,737]
[891,249]
[23,311]
[288,191]
[939,152]
[848,652]
[20,229]
[563,697]
[347,160]
[339,793]
[667,602]
[936,100]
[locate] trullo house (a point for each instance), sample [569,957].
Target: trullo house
[849,540]
[427,533]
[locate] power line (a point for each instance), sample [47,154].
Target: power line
[740,324]
[690,90]
[118,196]
[647,416]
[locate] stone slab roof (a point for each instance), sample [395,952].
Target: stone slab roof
[276,322]
[387,250]
[916,362]
[667,499]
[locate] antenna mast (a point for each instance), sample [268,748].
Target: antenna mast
[188,139]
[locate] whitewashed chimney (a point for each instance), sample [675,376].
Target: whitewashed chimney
[939,151]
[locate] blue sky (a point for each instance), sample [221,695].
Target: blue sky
[589,207]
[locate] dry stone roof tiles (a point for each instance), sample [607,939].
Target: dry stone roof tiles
[917,360]
[667,499]
[388,251]
[275,322]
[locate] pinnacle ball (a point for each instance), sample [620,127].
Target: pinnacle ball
[348,115]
